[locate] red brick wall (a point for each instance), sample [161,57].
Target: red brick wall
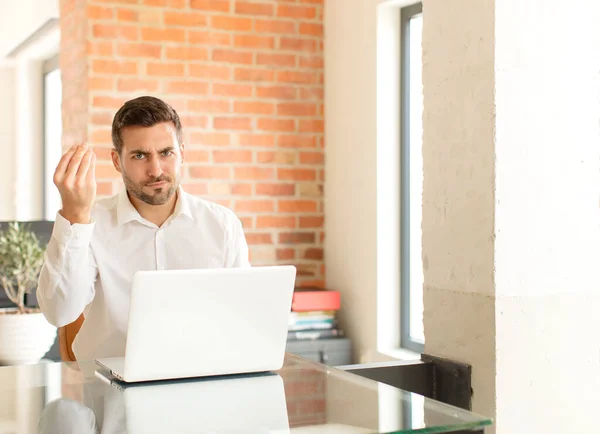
[247,80]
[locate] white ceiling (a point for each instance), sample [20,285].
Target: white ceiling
[20,19]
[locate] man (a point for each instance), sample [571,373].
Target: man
[152,225]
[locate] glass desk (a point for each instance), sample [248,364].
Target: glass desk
[303,397]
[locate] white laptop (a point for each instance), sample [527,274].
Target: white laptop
[254,403]
[207,322]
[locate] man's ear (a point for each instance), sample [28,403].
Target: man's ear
[181,150]
[116,160]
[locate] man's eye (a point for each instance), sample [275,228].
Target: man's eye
[167,153]
[138,156]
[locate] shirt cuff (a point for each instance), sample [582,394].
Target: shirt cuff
[73,235]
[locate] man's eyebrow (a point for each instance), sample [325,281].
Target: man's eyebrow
[139,151]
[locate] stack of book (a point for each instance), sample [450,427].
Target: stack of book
[314,314]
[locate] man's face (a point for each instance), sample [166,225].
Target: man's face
[150,162]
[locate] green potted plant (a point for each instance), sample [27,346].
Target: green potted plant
[25,334]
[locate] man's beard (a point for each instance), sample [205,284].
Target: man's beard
[161,194]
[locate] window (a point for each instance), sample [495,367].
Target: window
[411,179]
[52,147]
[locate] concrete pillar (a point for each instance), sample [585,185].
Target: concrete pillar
[511,217]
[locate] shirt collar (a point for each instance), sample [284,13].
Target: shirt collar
[126,212]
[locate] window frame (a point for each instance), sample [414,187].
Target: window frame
[406,14]
[49,65]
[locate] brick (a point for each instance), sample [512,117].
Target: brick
[310,190]
[253,238]
[165,69]
[102,118]
[254,206]
[185,19]
[311,29]
[276,157]
[101,83]
[187,87]
[286,254]
[139,50]
[254,173]
[227,89]
[191,120]
[314,2]
[254,41]
[311,126]
[234,24]
[104,188]
[136,84]
[211,139]
[297,77]
[264,222]
[117,1]
[231,156]
[115,31]
[101,137]
[210,5]
[296,141]
[312,93]
[312,158]
[297,206]
[100,48]
[195,188]
[298,44]
[127,15]
[296,174]
[290,11]
[248,107]
[114,67]
[274,124]
[314,62]
[107,102]
[247,222]
[219,189]
[210,106]
[210,172]
[99,12]
[241,189]
[163,35]
[262,140]
[187,53]
[276,59]
[209,37]
[231,123]
[197,155]
[232,56]
[176,4]
[247,74]
[277,92]
[209,71]
[254,9]
[106,171]
[313,253]
[311,222]
[297,237]
[276,26]
[150,16]
[275,189]
[297,109]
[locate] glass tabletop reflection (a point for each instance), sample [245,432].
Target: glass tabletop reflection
[303,397]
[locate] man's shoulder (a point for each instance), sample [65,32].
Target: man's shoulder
[203,208]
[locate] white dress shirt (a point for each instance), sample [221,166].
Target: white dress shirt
[89,267]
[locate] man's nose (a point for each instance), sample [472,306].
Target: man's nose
[154,169]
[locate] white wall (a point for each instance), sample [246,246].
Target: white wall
[362,58]
[19,19]
[7,141]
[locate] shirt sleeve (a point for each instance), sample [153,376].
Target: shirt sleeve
[238,247]
[68,275]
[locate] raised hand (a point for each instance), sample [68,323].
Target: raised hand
[75,178]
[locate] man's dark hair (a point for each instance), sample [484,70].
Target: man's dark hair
[145,111]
